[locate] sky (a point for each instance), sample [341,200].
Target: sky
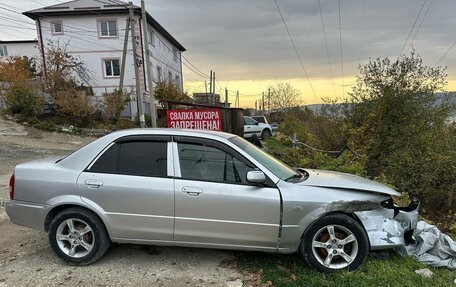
[247,45]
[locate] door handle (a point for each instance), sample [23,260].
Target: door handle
[192,191]
[93,183]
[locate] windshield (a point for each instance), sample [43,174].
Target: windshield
[281,170]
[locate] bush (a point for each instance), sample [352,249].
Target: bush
[115,102]
[76,106]
[19,90]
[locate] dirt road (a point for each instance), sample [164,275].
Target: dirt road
[26,259]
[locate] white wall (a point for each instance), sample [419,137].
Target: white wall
[81,34]
[21,49]
[162,55]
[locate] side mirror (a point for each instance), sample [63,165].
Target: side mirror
[256,176]
[257,123]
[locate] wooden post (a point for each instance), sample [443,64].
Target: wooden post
[124,55]
[149,70]
[136,63]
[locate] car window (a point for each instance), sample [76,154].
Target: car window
[260,119]
[249,121]
[202,162]
[280,169]
[141,158]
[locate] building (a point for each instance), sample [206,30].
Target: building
[95,31]
[19,48]
[206,98]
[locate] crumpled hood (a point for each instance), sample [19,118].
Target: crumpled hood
[332,179]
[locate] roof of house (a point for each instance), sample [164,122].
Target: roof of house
[17,41]
[91,7]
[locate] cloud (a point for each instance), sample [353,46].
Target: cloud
[246,40]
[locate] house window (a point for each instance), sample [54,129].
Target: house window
[176,54]
[170,77]
[112,67]
[151,37]
[176,80]
[3,51]
[108,28]
[56,27]
[159,73]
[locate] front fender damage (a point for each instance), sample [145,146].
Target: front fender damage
[389,226]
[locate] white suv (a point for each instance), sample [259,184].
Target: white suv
[252,127]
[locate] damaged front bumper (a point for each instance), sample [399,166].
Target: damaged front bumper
[390,226]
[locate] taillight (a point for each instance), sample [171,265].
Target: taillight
[11,187]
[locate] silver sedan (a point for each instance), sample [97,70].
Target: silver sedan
[203,189]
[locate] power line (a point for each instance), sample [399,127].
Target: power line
[413,26]
[295,49]
[361,42]
[341,51]
[326,45]
[444,54]
[419,26]
[203,74]
[192,67]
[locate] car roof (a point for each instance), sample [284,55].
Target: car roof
[83,156]
[172,132]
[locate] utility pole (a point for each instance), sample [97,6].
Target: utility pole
[136,63]
[153,111]
[226,97]
[124,55]
[237,99]
[210,85]
[255,106]
[213,83]
[269,101]
[262,103]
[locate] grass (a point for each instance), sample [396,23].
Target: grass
[290,270]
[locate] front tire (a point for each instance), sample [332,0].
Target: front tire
[335,242]
[78,236]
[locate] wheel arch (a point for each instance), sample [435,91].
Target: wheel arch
[349,214]
[59,208]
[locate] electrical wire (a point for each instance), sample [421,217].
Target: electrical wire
[341,51]
[326,45]
[413,26]
[444,54]
[190,65]
[361,42]
[419,26]
[295,49]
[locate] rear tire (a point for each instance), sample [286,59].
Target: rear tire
[265,134]
[78,236]
[335,242]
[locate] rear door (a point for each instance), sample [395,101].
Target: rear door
[131,181]
[214,202]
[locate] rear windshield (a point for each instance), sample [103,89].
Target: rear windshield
[260,119]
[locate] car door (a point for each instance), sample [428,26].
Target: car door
[215,204]
[250,127]
[131,182]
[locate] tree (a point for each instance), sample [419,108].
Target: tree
[165,91]
[401,127]
[115,102]
[284,95]
[64,80]
[20,92]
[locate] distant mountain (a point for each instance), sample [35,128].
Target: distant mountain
[316,108]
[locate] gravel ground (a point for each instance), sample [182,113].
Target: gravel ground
[26,259]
